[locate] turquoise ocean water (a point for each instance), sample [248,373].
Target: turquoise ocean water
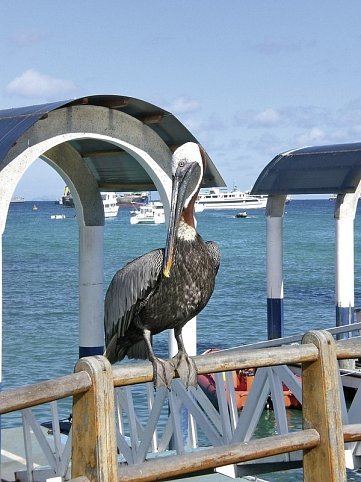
[40,281]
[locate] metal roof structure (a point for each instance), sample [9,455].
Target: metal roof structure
[113,167]
[312,170]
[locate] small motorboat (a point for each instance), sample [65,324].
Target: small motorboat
[35,207]
[57,216]
[242,214]
[242,381]
[152,213]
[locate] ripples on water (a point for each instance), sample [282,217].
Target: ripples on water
[40,281]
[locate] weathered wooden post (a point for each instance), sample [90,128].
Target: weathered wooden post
[94,450]
[322,411]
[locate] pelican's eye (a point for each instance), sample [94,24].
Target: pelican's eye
[181,164]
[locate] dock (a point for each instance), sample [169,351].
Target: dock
[101,450]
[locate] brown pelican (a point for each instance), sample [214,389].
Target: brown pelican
[165,288]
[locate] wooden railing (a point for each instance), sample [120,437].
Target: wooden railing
[94,448]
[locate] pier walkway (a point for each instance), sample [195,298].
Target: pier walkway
[111,441]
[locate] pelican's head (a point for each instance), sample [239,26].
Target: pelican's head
[188,163]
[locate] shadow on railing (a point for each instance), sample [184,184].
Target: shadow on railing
[95,440]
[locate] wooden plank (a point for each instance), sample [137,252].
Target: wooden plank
[322,411]
[94,450]
[223,361]
[352,433]
[173,466]
[350,348]
[43,392]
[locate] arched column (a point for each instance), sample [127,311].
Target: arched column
[345,210]
[274,217]
[48,138]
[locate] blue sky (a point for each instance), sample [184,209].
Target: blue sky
[249,78]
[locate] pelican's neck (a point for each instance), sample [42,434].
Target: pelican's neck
[186,232]
[188,212]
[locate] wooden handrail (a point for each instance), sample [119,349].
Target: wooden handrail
[44,392]
[223,361]
[94,442]
[176,465]
[347,349]
[62,387]
[352,433]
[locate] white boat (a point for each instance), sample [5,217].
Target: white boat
[216,198]
[17,199]
[110,204]
[152,213]
[57,216]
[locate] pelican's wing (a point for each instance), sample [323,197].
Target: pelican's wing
[129,286]
[214,253]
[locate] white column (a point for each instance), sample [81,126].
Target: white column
[189,335]
[274,213]
[344,285]
[91,295]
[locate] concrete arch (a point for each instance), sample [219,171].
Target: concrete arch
[49,137]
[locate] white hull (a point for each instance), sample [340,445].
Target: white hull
[235,205]
[110,204]
[218,199]
[152,213]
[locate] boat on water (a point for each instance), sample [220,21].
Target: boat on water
[217,198]
[110,204]
[152,213]
[66,199]
[17,199]
[242,382]
[242,214]
[35,207]
[132,198]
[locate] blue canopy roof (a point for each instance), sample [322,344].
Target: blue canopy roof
[312,170]
[111,165]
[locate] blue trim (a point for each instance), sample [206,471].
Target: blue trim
[90,350]
[274,318]
[344,316]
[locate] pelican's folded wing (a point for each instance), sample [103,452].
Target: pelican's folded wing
[129,286]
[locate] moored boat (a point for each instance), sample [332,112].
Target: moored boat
[152,213]
[17,199]
[110,204]
[216,198]
[132,198]
[242,382]
[66,199]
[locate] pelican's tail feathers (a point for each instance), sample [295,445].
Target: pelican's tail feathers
[113,351]
[118,348]
[138,351]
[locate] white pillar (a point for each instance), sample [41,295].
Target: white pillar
[91,286]
[344,266]
[274,213]
[189,335]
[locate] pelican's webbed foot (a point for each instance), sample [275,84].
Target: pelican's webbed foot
[163,371]
[186,369]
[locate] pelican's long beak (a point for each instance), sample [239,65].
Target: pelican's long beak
[180,194]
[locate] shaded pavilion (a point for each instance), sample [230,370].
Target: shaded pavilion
[333,169]
[95,143]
